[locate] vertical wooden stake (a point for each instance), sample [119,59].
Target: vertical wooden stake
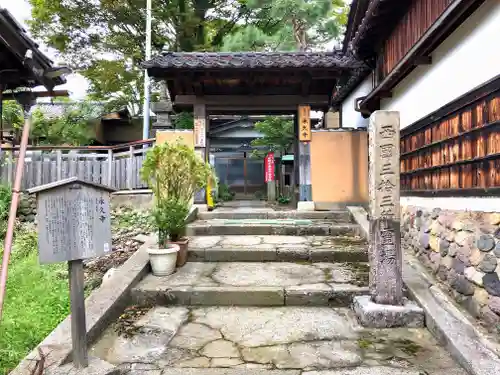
[78,323]
[110,167]
[59,165]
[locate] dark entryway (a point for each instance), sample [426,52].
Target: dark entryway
[241,173]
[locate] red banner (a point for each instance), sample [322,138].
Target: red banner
[269,167]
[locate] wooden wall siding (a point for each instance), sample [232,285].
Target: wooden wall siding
[460,151]
[421,15]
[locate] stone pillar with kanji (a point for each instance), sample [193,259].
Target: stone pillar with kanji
[385,306]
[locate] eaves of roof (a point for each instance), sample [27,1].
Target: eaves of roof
[250,60]
[16,39]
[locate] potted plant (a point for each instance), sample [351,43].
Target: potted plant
[174,172]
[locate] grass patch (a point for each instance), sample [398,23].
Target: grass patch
[37,300]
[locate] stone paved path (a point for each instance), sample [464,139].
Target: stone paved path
[257,304]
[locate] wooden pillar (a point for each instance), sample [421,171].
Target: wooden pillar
[200,142]
[304,152]
[386,282]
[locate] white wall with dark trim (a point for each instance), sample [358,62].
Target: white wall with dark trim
[351,118]
[469,57]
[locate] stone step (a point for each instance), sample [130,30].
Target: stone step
[256,284]
[340,216]
[289,227]
[228,340]
[359,370]
[277,249]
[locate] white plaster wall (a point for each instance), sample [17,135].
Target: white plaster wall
[351,118]
[466,59]
[239,133]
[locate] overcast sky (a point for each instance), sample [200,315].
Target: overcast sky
[20,9]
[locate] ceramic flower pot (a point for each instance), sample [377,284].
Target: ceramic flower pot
[183,252]
[163,261]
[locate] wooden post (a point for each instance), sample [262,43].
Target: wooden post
[72,165]
[59,164]
[10,161]
[305,171]
[110,167]
[303,152]
[386,282]
[78,322]
[130,174]
[200,141]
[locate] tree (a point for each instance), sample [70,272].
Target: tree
[12,115]
[71,126]
[89,33]
[278,135]
[290,25]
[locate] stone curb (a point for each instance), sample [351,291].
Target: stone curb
[290,254]
[334,295]
[443,319]
[102,307]
[263,230]
[339,216]
[450,326]
[227,371]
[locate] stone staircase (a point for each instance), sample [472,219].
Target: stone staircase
[265,293]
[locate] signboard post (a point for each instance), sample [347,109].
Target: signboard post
[74,224]
[269,177]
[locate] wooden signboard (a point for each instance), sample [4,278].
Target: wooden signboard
[200,131]
[304,123]
[74,224]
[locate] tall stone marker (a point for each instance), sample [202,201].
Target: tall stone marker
[386,282]
[386,306]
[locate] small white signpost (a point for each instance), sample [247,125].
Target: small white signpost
[74,224]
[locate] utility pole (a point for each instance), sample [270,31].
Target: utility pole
[147,89]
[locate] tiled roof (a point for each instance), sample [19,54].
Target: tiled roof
[251,60]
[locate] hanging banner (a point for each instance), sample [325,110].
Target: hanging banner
[269,167]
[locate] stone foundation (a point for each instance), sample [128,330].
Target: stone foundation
[26,211]
[463,251]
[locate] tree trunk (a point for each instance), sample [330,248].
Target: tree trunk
[300,34]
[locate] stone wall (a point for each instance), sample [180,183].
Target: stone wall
[26,211]
[463,250]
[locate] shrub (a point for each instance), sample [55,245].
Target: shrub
[225,194]
[174,172]
[282,199]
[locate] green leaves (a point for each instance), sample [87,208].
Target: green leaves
[278,136]
[174,172]
[72,127]
[283,25]
[12,114]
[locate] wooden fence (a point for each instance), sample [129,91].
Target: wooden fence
[115,166]
[455,151]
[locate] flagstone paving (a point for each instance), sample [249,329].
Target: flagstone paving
[265,297]
[285,338]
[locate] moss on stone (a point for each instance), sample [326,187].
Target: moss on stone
[364,343]
[407,346]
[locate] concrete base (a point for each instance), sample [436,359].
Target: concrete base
[305,206]
[201,207]
[373,315]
